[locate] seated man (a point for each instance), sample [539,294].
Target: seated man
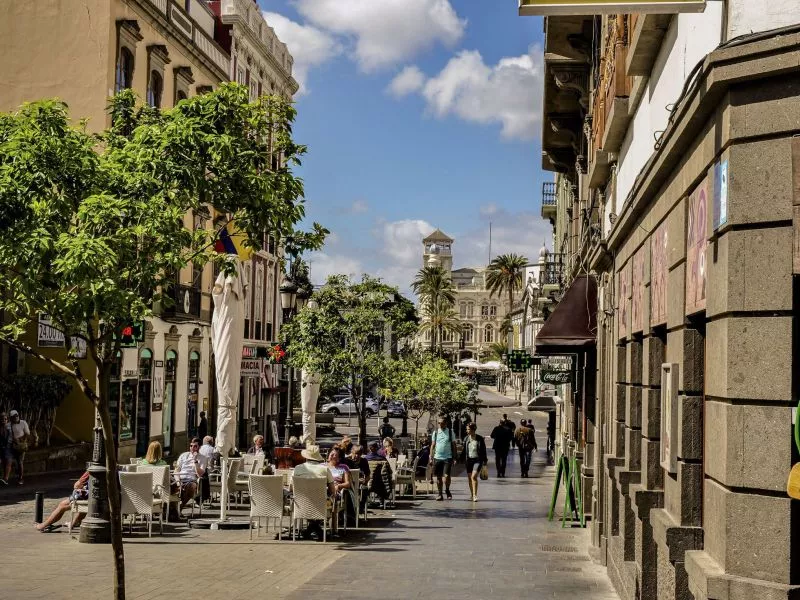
[191,467]
[373,452]
[380,481]
[314,467]
[80,491]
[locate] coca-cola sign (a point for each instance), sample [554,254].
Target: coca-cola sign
[556,377]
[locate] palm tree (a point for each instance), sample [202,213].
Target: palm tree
[437,294]
[505,274]
[438,318]
[496,350]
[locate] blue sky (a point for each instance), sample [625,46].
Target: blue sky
[418,114]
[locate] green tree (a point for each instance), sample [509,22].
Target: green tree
[505,275]
[437,296]
[94,226]
[341,336]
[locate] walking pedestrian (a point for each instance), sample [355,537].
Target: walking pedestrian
[5,446]
[474,457]
[502,437]
[202,428]
[20,435]
[526,442]
[509,424]
[444,452]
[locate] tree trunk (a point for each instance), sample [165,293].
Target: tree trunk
[510,340]
[112,486]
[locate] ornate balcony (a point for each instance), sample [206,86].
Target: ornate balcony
[549,200]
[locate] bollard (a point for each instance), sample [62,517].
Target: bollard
[39,503]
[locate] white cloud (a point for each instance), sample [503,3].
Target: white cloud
[409,80]
[322,265]
[508,93]
[359,207]
[521,232]
[386,32]
[309,46]
[487,210]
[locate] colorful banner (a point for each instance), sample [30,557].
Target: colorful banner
[696,242]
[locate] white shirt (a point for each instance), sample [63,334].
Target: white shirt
[472,447]
[20,429]
[208,451]
[186,470]
[312,469]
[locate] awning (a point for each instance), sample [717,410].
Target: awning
[572,326]
[543,404]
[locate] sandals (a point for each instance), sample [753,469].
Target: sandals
[48,529]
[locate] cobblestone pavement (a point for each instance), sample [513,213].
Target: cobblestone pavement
[501,546]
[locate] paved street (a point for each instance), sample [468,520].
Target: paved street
[503,545]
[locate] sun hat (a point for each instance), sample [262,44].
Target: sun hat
[13,413]
[311,452]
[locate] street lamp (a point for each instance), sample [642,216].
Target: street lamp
[293,299]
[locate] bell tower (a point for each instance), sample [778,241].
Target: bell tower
[437,251]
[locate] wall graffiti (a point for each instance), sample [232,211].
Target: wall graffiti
[658,275]
[696,242]
[637,291]
[624,298]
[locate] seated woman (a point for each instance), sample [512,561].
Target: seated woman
[154,456]
[294,443]
[356,460]
[258,446]
[80,491]
[341,481]
[388,450]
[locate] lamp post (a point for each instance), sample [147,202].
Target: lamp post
[293,299]
[96,527]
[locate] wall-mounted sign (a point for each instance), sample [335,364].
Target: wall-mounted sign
[696,242]
[607,7]
[555,377]
[251,367]
[158,386]
[49,336]
[720,194]
[249,352]
[130,374]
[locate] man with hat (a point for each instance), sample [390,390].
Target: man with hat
[314,467]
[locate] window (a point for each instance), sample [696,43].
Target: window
[467,334]
[168,412]
[154,89]
[143,401]
[259,300]
[492,311]
[462,309]
[470,309]
[181,95]
[484,310]
[488,334]
[124,78]
[248,305]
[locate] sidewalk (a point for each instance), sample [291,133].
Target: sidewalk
[500,547]
[490,397]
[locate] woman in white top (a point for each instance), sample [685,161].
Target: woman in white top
[20,436]
[474,456]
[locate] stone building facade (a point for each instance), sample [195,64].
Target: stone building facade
[675,195]
[165,51]
[479,312]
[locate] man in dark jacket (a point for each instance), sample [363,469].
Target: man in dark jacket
[502,437]
[526,442]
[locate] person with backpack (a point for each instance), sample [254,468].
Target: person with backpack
[443,443]
[526,442]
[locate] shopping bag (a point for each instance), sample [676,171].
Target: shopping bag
[484,473]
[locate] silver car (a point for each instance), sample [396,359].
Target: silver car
[347,406]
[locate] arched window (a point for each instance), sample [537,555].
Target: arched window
[124,77]
[155,89]
[181,95]
[484,310]
[468,334]
[493,310]
[462,309]
[488,334]
[428,335]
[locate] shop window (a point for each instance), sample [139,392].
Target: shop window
[194,384]
[143,401]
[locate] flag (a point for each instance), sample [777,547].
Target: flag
[231,241]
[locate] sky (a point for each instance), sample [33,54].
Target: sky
[417,114]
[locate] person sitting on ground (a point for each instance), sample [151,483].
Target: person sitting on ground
[386,430]
[341,482]
[154,456]
[294,443]
[80,491]
[388,450]
[316,468]
[191,467]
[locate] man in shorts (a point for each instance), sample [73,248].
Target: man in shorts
[444,453]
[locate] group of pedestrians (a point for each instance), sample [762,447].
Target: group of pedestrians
[505,435]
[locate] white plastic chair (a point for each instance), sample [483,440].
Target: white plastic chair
[355,491]
[407,476]
[161,484]
[287,475]
[137,498]
[310,502]
[266,501]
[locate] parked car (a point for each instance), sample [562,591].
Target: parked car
[394,408]
[346,406]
